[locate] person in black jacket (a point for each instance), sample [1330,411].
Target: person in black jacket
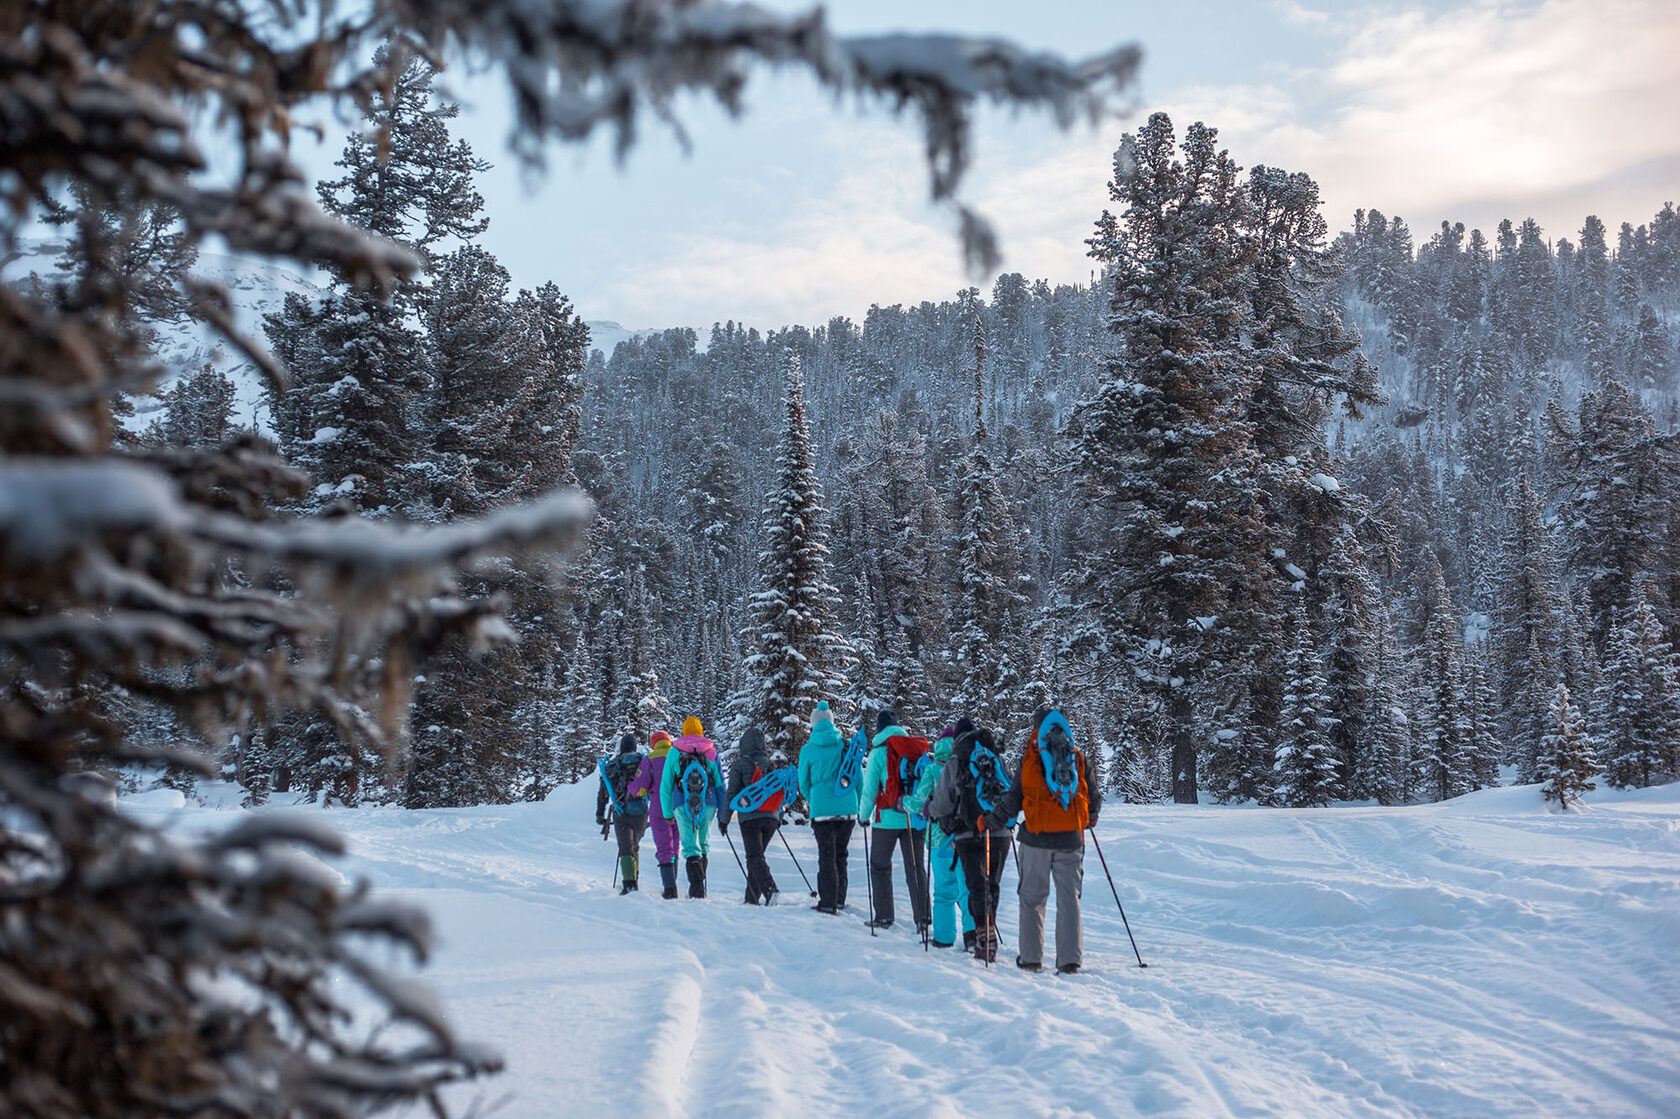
[956,803]
[757,828]
[628,817]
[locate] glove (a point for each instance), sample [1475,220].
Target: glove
[983,824]
[723,827]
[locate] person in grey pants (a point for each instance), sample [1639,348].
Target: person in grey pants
[1053,791]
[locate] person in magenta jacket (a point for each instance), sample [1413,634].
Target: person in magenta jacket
[646,782]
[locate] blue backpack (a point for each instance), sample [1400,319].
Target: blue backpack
[616,775]
[910,772]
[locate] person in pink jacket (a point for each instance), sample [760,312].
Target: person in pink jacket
[664,827]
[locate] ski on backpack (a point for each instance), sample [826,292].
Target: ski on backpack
[769,793]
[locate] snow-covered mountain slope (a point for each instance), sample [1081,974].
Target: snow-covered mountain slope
[1483,957]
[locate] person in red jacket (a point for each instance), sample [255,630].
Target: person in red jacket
[1053,791]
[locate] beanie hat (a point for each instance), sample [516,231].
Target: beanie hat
[963,726]
[822,714]
[627,744]
[657,737]
[691,726]
[885,719]
[948,732]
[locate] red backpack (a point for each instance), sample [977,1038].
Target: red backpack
[906,755]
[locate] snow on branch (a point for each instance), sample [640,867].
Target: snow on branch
[576,65]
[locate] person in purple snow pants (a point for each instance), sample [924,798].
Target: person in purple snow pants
[664,827]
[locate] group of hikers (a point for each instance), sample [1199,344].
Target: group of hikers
[948,809]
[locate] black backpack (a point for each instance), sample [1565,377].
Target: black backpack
[620,772]
[982,779]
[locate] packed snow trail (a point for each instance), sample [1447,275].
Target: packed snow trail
[1482,957]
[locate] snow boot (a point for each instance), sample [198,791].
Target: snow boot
[1024,966]
[878,924]
[668,879]
[828,909]
[629,887]
[970,938]
[1068,969]
[942,943]
[770,898]
[985,947]
[696,876]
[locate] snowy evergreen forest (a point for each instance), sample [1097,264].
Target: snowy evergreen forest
[1278,515]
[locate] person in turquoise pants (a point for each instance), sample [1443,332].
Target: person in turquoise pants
[691,791]
[950,888]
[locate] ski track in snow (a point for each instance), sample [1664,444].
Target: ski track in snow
[1484,957]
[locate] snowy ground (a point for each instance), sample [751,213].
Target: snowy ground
[1485,957]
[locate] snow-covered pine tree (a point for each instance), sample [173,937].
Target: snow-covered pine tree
[1306,770]
[1352,718]
[197,410]
[1639,701]
[349,417]
[1441,761]
[1526,616]
[985,607]
[1481,713]
[1166,457]
[1386,761]
[581,733]
[1567,759]
[797,655]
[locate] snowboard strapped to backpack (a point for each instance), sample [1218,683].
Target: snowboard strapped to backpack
[907,754]
[768,792]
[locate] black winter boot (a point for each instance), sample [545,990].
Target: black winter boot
[668,879]
[696,877]
[705,862]
[970,939]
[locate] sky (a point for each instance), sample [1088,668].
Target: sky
[805,208]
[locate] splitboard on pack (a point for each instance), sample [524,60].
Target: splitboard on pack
[851,763]
[769,793]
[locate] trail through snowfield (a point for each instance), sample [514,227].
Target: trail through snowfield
[1483,957]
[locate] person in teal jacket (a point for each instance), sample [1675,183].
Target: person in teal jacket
[692,762]
[892,830]
[833,810]
[950,887]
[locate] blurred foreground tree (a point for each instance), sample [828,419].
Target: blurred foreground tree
[144,972]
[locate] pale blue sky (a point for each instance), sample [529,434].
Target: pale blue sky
[1469,109]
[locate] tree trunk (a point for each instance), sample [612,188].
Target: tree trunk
[1183,748]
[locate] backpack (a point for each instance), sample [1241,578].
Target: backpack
[693,785]
[906,754]
[851,763]
[618,776]
[982,780]
[1052,796]
[1061,767]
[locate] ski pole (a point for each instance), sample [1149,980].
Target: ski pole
[927,882]
[869,879]
[988,947]
[615,870]
[795,859]
[1116,894]
[737,855]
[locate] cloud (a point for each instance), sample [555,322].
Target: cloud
[1492,109]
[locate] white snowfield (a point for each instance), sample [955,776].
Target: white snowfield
[1483,957]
